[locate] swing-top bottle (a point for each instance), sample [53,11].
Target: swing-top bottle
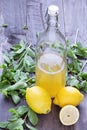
[51,55]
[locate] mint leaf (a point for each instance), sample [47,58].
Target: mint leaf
[75,66]
[72,81]
[84,86]
[6,58]
[25,27]
[14,125]
[80,50]
[18,85]
[3,124]
[21,49]
[30,127]
[83,76]
[28,62]
[14,116]
[20,127]
[15,97]
[32,116]
[21,110]
[4,25]
[30,52]
[4,84]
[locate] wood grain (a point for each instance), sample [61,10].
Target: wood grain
[14,14]
[76,18]
[17,14]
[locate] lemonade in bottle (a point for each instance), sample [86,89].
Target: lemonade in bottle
[51,55]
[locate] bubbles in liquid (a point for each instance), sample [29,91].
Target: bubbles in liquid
[51,63]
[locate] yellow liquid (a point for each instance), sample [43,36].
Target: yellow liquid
[51,73]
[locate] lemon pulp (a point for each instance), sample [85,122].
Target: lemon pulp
[69,115]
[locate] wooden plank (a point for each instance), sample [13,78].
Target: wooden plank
[76,18]
[14,14]
[82,123]
[33,20]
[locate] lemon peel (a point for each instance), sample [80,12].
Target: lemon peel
[68,96]
[38,99]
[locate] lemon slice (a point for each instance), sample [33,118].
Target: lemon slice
[69,115]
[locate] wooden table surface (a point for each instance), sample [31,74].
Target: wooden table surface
[72,18]
[51,120]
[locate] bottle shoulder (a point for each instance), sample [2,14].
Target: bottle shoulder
[51,36]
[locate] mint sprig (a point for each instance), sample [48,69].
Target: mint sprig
[77,56]
[19,118]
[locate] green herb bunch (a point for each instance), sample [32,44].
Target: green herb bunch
[18,74]
[19,118]
[17,69]
[76,63]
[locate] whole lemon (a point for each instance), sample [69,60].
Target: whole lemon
[38,99]
[68,96]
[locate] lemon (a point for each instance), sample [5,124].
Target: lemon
[68,96]
[69,115]
[38,99]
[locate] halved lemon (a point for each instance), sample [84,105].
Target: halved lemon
[69,115]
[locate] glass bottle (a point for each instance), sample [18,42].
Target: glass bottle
[51,55]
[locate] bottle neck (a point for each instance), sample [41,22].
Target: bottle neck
[52,22]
